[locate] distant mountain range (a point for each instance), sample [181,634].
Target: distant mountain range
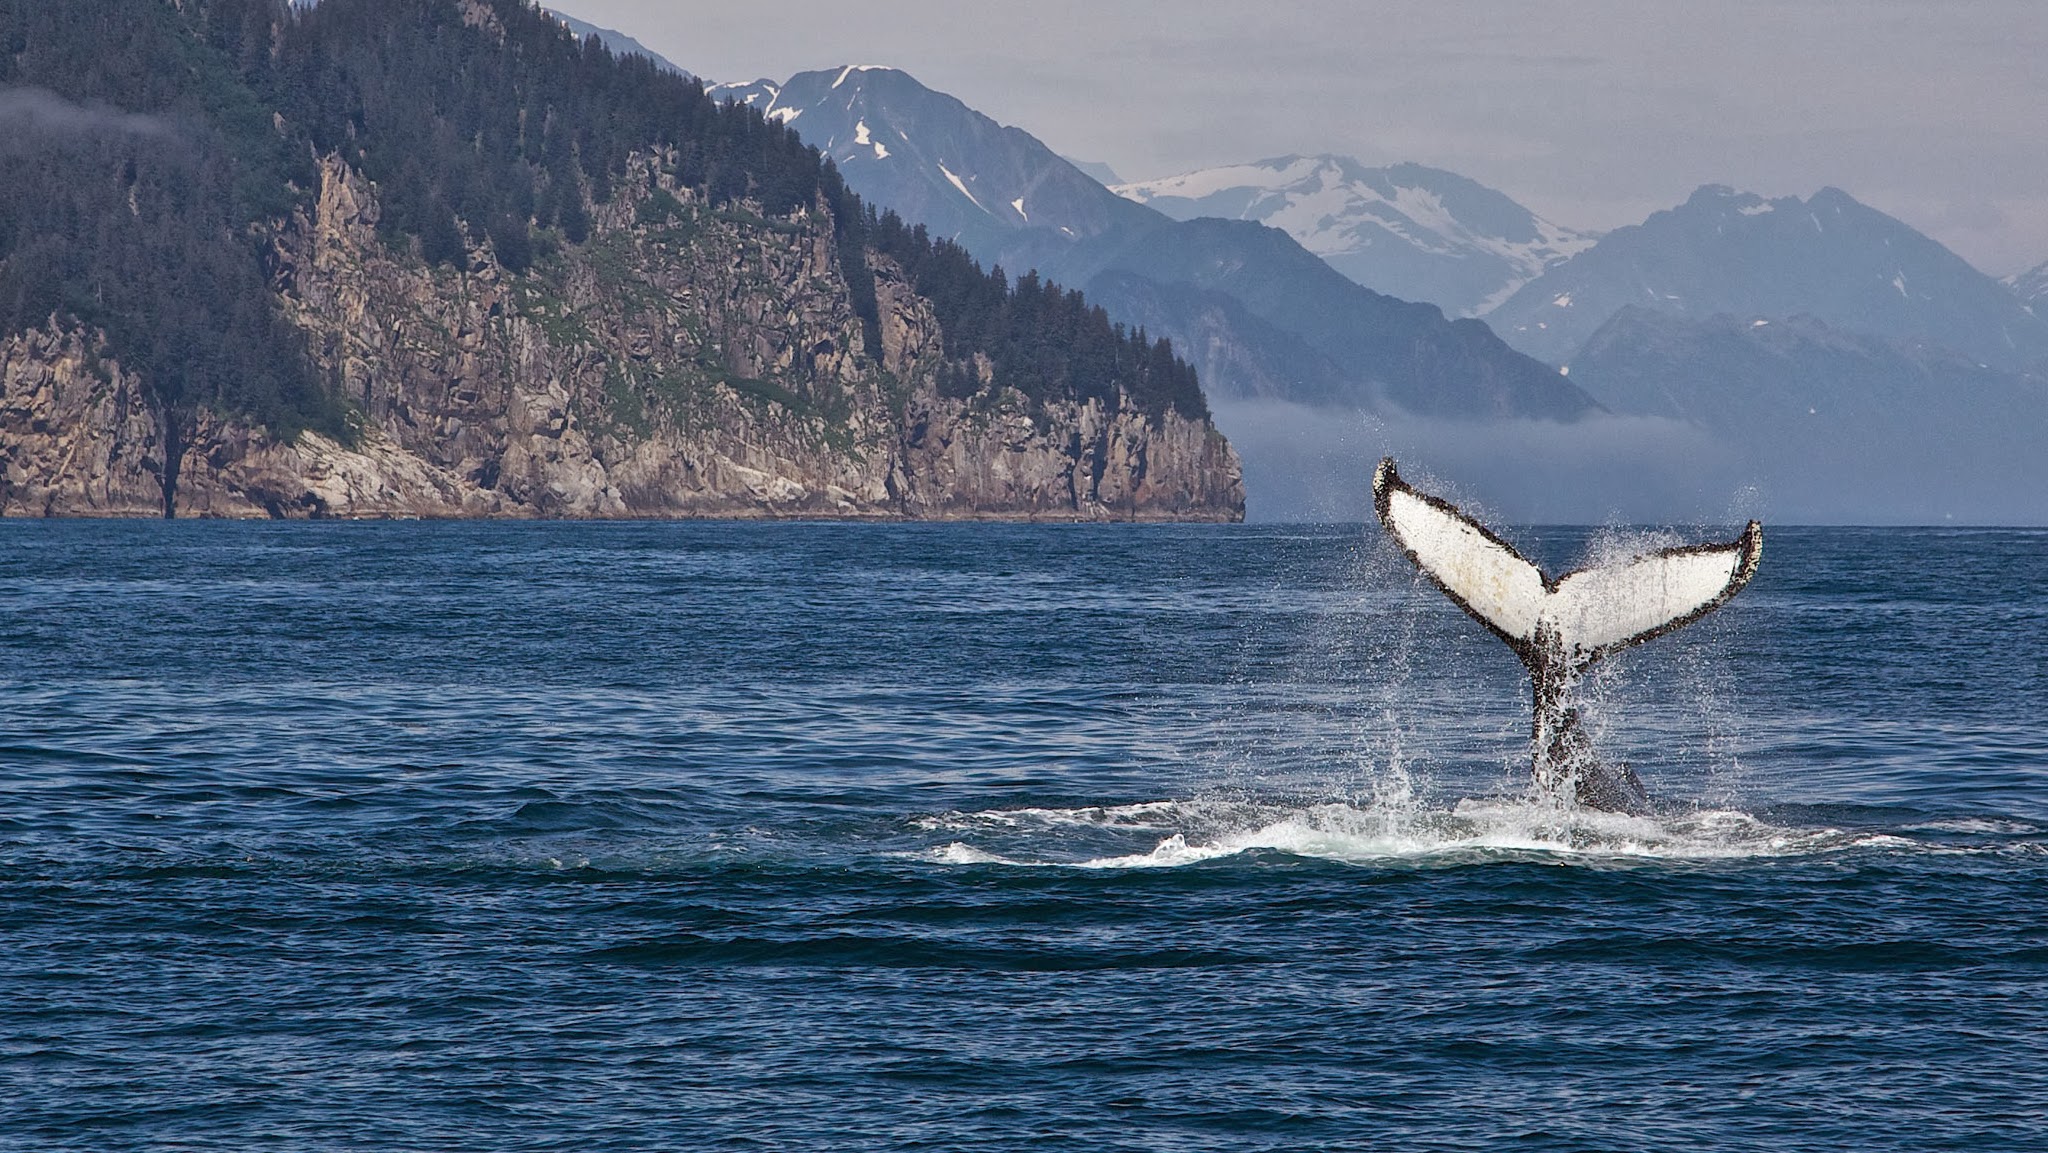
[1828,420]
[1851,366]
[1726,318]
[1845,365]
[1736,253]
[1406,230]
[1260,315]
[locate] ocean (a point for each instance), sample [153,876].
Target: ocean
[707,836]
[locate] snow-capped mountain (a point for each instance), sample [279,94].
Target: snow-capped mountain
[1406,230]
[933,159]
[1828,257]
[1259,315]
[2031,287]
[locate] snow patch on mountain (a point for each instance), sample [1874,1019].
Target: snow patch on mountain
[850,69]
[758,94]
[1266,175]
[1408,230]
[860,136]
[961,185]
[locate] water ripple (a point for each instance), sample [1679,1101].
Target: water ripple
[1060,837]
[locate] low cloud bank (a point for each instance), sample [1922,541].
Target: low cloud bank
[39,112]
[1310,464]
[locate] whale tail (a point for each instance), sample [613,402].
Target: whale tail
[1559,627]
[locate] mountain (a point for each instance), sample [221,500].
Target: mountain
[1831,425]
[937,162]
[2031,287]
[440,258]
[1225,340]
[1262,315]
[617,42]
[1828,257]
[1408,231]
[1097,171]
[1396,356]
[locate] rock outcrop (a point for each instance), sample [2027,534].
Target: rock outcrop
[684,361]
[77,434]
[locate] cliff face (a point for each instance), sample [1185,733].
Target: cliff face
[77,436]
[683,362]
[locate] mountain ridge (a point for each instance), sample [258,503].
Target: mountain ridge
[1724,251]
[1406,230]
[892,128]
[618,42]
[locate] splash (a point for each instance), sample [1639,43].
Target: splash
[1393,830]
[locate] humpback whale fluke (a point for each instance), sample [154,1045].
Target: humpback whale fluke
[1561,627]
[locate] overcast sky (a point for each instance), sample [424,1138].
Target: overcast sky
[1594,113]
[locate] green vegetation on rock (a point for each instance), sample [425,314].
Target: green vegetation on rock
[154,152]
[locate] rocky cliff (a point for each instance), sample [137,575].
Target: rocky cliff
[77,434]
[684,361]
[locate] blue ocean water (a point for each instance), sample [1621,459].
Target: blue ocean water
[925,837]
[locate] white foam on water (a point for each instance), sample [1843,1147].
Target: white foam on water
[1506,828]
[962,854]
[1143,815]
[1975,825]
[1172,851]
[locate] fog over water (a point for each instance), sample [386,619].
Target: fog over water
[1315,465]
[1309,464]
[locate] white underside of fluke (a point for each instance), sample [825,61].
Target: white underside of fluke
[1603,609]
[1584,614]
[1495,585]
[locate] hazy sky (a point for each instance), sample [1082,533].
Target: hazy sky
[1594,113]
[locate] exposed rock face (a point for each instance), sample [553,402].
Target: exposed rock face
[77,437]
[683,362]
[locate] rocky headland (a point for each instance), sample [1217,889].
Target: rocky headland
[682,362]
[443,258]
